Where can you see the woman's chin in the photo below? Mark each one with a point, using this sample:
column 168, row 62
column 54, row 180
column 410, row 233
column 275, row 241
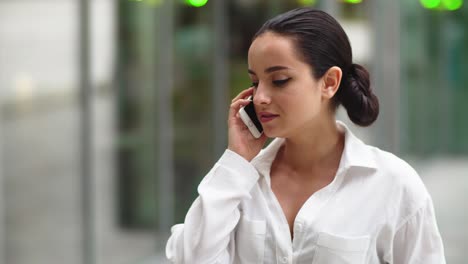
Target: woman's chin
column 270, row 134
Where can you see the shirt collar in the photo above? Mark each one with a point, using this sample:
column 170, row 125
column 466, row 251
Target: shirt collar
column 355, row 154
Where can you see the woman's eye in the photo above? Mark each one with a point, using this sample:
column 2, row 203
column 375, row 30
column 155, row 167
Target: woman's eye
column 281, row 82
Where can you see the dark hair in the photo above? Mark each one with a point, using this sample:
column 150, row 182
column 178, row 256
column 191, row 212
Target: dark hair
column 322, row 43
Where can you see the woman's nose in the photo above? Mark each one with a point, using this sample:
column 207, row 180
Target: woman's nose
column 261, row 96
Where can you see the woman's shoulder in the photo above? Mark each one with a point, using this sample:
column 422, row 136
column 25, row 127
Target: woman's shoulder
column 391, row 163
column 400, row 178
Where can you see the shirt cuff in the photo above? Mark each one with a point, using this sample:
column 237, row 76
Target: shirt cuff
column 233, row 170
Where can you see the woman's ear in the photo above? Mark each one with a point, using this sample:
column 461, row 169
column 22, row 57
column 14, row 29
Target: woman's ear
column 331, row 80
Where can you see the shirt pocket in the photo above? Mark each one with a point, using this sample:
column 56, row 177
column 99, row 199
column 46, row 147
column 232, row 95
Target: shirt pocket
column 333, row 249
column 250, row 240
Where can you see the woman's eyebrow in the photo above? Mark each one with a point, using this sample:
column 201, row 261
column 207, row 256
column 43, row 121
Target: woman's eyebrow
column 270, row 69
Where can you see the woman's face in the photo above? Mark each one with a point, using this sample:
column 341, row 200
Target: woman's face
column 287, row 97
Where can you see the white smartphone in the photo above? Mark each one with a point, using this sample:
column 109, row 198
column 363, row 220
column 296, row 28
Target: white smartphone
column 249, row 117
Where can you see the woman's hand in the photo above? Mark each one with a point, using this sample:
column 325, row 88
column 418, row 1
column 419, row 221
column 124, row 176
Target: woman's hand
column 240, row 139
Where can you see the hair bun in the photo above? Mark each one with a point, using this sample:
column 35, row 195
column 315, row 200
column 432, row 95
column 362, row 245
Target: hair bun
column 359, row 100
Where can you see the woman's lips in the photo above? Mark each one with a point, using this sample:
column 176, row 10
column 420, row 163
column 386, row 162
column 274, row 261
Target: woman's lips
column 266, row 117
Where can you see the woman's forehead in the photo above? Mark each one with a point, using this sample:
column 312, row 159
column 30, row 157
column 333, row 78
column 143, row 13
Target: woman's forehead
column 272, row 49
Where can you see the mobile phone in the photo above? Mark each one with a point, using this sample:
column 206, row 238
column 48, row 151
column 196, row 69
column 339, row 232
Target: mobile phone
column 249, row 117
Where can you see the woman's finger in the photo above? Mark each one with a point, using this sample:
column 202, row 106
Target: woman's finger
column 243, row 94
column 236, row 106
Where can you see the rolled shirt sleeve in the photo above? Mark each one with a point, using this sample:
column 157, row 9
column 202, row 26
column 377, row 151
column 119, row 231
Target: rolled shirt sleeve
column 207, row 233
column 417, row 239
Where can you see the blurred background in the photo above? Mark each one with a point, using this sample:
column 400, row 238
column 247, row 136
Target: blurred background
column 111, row 112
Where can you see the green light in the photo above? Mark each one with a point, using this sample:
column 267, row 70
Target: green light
column 307, row 2
column 197, row 3
column 452, row 4
column 430, row 4
column 353, row 1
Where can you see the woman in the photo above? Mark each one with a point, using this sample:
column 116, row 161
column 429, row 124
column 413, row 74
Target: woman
column 316, row 194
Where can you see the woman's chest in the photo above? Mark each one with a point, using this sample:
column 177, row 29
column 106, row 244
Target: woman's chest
column 326, row 230
column 292, row 191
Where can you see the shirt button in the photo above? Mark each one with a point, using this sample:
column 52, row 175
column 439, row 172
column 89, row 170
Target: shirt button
column 284, row 260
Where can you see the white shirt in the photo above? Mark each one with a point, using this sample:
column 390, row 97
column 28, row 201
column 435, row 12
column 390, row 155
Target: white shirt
column 376, row 210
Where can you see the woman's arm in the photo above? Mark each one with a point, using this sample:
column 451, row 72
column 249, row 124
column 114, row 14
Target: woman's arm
column 417, row 240
column 207, row 235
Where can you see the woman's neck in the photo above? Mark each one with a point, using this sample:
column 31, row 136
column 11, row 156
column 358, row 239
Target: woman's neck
column 316, row 147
